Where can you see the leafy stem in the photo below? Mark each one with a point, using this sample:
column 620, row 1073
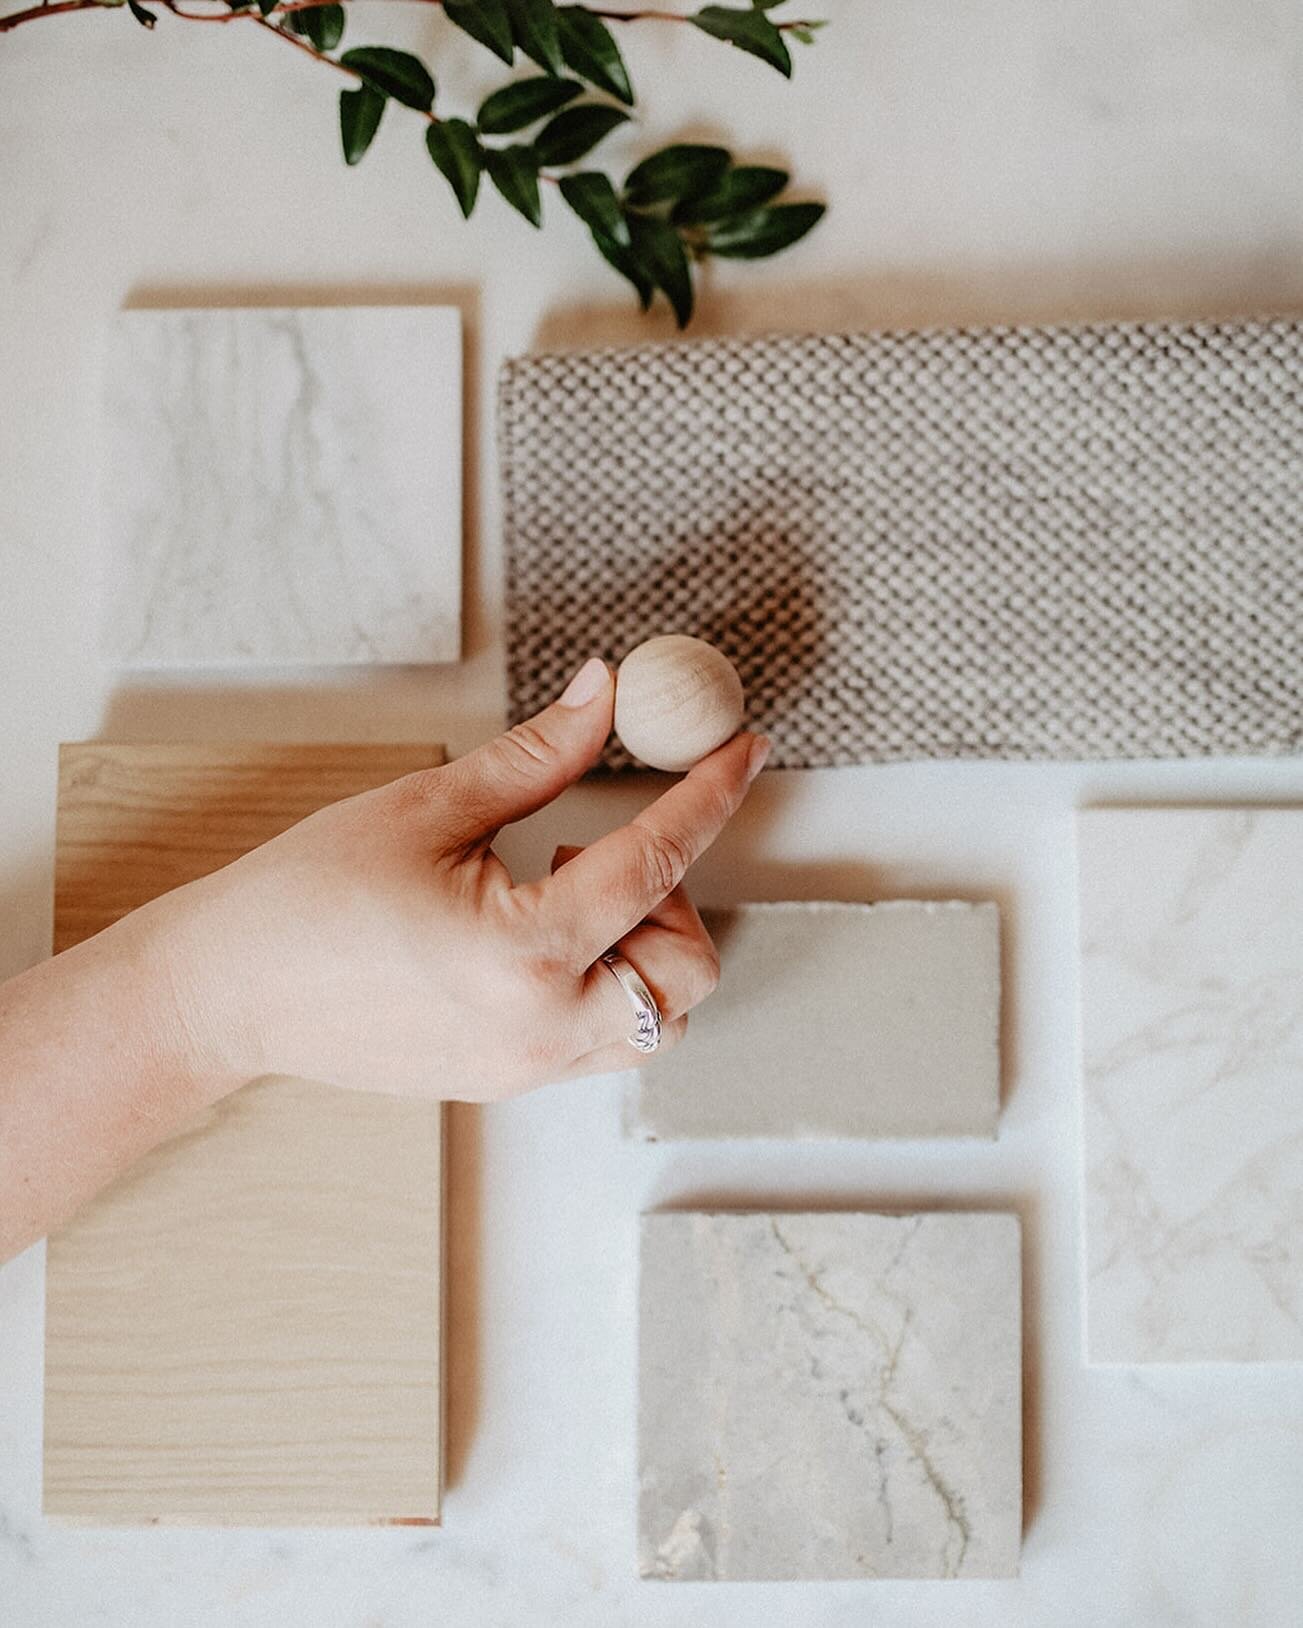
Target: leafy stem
column 55, row 8
column 676, row 208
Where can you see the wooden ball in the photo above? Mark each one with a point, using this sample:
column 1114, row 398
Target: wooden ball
column 676, row 699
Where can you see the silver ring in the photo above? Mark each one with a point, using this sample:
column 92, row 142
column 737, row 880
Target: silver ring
column 647, row 1035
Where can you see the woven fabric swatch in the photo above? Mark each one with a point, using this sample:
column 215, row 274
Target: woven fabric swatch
column 1006, row 543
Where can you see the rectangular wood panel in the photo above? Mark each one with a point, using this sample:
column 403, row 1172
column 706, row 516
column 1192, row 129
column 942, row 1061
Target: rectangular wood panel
column 246, row 1328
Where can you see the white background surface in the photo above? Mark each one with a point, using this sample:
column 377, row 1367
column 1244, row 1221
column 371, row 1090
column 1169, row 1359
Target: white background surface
column 984, row 159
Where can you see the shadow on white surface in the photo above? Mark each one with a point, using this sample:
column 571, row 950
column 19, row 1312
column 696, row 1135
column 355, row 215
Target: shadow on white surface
column 1190, row 288
column 462, row 1277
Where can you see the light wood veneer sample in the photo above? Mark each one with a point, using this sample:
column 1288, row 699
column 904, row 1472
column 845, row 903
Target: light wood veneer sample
column 246, row 1328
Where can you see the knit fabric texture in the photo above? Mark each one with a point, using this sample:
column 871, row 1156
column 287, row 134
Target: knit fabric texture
column 1079, row 542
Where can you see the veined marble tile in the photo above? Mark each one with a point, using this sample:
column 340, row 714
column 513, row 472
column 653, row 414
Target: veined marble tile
column 283, row 487
column 829, row 1396
column 838, row 1020
column 1192, row 1036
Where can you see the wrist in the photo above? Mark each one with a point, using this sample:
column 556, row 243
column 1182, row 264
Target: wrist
column 196, row 1023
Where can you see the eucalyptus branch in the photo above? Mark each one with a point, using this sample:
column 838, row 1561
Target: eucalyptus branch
column 645, row 15
column 55, row 8
column 677, row 207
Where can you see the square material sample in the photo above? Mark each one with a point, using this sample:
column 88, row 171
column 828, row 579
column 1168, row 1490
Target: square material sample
column 1192, row 1037
column 283, row 487
column 838, row 1020
column 830, row 1396
column 245, row 1328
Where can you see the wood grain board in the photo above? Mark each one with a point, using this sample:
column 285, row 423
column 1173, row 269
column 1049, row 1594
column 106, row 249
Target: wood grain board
column 245, row 1329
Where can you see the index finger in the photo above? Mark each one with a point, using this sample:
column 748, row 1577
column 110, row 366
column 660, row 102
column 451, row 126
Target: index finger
column 604, row 892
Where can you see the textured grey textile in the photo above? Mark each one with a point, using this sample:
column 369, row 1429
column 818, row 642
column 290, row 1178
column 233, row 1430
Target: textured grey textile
column 1024, row 543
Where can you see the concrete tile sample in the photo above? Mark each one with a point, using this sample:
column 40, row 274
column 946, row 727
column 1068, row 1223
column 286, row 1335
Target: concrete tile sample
column 244, row 1329
column 829, row 1396
column 1192, row 1040
column 838, row 1020
column 283, row 487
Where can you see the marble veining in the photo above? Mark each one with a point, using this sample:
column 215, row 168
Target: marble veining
column 1192, row 1038
column 282, row 487
column 829, row 1395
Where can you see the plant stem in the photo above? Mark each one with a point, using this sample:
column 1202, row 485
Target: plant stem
column 202, row 16
column 56, row 7
column 52, row 10
column 298, row 39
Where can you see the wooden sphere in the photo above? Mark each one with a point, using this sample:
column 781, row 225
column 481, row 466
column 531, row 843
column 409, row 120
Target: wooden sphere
column 676, row 699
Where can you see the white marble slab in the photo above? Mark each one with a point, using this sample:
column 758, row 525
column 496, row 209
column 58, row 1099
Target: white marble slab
column 282, row 487
column 1192, row 1034
column 829, row 1396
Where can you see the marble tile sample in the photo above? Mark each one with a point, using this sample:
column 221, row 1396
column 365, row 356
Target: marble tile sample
column 245, row 1328
column 838, row 1020
column 829, row 1396
column 1192, row 1055
column 283, row 487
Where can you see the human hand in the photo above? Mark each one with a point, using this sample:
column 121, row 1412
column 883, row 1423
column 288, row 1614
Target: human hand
column 382, row 944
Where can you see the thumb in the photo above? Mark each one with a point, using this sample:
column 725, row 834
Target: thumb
column 518, row 773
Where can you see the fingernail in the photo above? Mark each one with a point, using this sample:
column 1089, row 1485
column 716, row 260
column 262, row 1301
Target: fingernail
column 587, row 684
column 760, row 748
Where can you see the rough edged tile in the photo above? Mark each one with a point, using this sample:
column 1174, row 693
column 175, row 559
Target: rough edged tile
column 283, row 487
column 246, row 1328
column 1192, row 1036
column 902, row 1000
column 829, row 1396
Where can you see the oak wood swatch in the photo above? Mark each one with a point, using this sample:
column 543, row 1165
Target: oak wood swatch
column 246, row 1328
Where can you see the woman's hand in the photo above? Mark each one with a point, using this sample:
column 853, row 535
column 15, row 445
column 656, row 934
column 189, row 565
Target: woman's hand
column 381, row 943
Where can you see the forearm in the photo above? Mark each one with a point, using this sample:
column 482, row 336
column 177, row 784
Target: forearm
column 105, row 1051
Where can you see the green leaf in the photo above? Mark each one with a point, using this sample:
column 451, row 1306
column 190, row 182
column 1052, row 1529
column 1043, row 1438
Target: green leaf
column 804, row 32
column 486, row 21
column 359, row 119
column 146, row 19
column 589, row 49
column 455, row 148
column 534, row 29
column 749, row 30
column 681, row 171
column 660, row 251
column 764, row 231
column 741, row 190
column 323, row 25
column 593, row 198
column 622, row 257
column 393, row 73
column 519, row 104
column 514, row 171
column 576, row 131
